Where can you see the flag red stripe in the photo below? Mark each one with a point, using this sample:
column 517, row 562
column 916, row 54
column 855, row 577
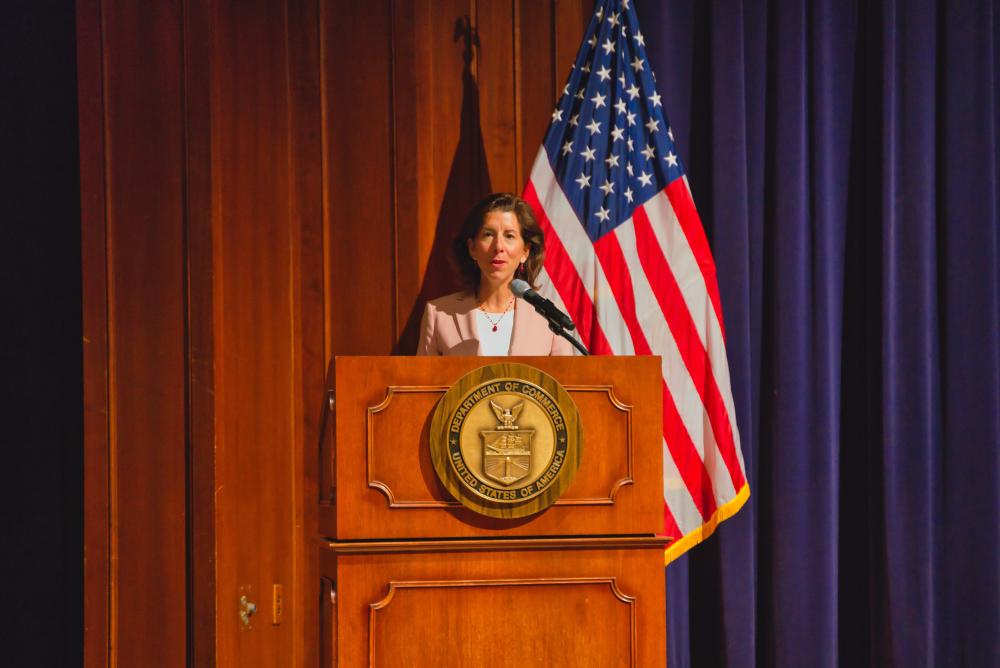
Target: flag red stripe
column 685, row 334
column 648, row 286
column 670, row 528
column 609, row 252
column 682, row 449
column 560, row 268
column 686, row 458
column 690, row 223
column 567, row 282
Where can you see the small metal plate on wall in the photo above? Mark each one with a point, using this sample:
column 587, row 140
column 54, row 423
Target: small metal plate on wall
column 246, row 607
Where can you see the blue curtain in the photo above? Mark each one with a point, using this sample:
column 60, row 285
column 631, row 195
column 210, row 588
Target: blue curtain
column 844, row 158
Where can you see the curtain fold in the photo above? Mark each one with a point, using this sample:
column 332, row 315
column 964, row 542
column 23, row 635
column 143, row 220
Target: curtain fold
column 844, row 159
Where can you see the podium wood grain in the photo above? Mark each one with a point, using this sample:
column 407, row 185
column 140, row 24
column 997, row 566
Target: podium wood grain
column 378, row 481
column 409, row 577
column 507, row 603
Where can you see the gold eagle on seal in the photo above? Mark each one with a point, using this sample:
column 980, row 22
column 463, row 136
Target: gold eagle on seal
column 507, row 449
column 506, row 416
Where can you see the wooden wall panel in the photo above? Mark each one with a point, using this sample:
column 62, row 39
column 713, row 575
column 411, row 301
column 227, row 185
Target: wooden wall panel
column 450, row 102
column 93, row 259
column 145, row 269
column 200, row 335
column 439, row 158
column 256, row 296
column 266, row 185
column 498, row 94
column 538, row 80
column 572, row 19
column 358, row 190
column 305, row 213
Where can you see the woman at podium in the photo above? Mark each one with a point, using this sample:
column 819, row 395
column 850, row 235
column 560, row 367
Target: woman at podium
column 500, row 240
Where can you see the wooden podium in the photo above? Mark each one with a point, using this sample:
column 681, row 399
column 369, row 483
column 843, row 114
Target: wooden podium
column 410, row 577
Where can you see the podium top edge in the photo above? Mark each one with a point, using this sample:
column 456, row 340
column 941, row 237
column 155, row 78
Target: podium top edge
column 496, row 544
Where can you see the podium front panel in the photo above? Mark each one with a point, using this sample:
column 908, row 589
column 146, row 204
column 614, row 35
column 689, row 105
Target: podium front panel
column 378, row 481
column 507, row 602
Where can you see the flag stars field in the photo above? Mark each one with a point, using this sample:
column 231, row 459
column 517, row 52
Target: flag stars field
column 612, row 81
column 622, row 235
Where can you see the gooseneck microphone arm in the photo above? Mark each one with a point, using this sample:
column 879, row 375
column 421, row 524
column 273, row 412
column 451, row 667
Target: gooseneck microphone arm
column 559, row 322
column 555, row 327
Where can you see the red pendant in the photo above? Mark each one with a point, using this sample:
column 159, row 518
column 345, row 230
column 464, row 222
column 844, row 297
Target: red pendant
column 494, row 328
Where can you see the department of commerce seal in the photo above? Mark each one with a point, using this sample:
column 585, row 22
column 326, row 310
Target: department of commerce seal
column 506, row 440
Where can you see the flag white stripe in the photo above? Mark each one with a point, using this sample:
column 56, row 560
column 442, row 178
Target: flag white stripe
column 674, row 245
column 678, row 379
column 700, row 402
column 548, row 290
column 681, row 260
column 677, row 496
column 580, row 250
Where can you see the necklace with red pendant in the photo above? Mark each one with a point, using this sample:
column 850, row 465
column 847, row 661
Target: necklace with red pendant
column 496, row 323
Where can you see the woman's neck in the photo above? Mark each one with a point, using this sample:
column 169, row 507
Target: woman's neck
column 494, row 298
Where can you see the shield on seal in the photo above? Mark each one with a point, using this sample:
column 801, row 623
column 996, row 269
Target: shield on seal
column 506, row 454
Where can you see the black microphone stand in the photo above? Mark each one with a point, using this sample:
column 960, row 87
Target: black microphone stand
column 561, row 331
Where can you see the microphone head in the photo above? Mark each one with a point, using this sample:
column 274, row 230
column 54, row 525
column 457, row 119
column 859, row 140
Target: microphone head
column 519, row 287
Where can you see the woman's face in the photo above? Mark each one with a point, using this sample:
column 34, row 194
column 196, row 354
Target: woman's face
column 498, row 248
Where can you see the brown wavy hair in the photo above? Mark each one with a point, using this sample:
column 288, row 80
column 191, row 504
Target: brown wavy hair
column 532, row 234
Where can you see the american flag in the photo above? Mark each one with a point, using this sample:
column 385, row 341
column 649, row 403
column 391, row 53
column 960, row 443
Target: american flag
column 627, row 258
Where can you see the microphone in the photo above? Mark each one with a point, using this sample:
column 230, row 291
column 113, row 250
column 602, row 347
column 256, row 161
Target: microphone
column 541, row 304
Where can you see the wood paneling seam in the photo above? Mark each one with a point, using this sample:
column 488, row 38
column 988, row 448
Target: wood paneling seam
column 324, row 183
column 112, row 443
column 295, row 401
column 393, row 176
column 517, row 101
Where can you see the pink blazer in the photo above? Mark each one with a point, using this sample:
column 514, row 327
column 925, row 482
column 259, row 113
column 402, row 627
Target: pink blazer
column 449, row 328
